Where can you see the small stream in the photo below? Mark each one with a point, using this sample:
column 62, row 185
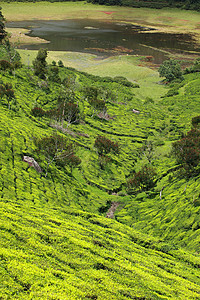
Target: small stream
column 102, row 38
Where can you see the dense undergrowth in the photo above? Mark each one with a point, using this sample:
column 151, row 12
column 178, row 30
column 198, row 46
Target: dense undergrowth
column 56, row 241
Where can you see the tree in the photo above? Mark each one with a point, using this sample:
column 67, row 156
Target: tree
column 71, row 113
column 7, row 91
column 60, row 64
column 59, row 149
column 92, row 95
column 5, row 65
column 2, row 27
column 40, row 64
column 67, row 110
column 187, row 150
column 142, row 180
column 148, row 150
column 54, row 74
column 170, row 69
column 12, row 55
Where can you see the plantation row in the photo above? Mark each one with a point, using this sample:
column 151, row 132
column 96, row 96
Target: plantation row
column 65, row 253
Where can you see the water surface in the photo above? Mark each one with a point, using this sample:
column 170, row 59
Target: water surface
column 83, row 35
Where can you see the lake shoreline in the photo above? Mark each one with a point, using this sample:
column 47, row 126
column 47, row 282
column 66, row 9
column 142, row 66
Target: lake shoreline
column 169, row 20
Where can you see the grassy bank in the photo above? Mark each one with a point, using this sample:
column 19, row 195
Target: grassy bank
column 129, row 66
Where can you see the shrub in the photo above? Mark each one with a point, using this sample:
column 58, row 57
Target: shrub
column 149, row 58
column 170, row 69
column 124, row 81
column 103, row 161
column 43, row 85
column 172, row 92
column 54, row 74
column 72, row 160
column 5, row 65
column 6, row 90
column 17, row 65
column 60, row 64
column 195, row 121
column 37, row 112
column 91, row 93
column 194, row 68
column 40, row 64
column 70, row 112
column 148, row 100
column 187, row 150
column 142, row 180
column 59, row 149
column 105, row 146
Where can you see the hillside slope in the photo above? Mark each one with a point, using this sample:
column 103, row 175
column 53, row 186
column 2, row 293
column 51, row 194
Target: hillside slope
column 54, row 253
column 56, row 241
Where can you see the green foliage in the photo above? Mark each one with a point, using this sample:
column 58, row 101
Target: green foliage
column 105, row 146
column 57, row 148
column 54, row 74
column 40, row 64
column 7, row 91
column 54, row 221
column 2, row 27
column 142, row 180
column 70, row 254
column 196, row 121
column 194, row 68
column 5, row 65
column 94, row 97
column 187, row 150
column 170, row 69
column 37, row 112
column 158, row 4
column 60, row 64
column 172, row 92
column 125, row 82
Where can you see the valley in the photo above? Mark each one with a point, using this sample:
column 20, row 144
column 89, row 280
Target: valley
column 106, row 133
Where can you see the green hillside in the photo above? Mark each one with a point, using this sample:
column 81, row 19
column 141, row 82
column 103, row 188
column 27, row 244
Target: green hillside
column 56, row 241
column 64, row 253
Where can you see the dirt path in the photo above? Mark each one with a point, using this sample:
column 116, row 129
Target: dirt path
column 111, row 212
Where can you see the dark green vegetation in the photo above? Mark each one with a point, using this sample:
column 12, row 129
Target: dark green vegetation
column 2, row 27
column 170, row 69
column 185, row 4
column 92, row 136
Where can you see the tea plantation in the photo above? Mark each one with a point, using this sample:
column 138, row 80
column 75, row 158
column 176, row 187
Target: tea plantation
column 56, row 242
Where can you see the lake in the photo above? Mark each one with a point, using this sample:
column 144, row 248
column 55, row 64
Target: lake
column 104, row 38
